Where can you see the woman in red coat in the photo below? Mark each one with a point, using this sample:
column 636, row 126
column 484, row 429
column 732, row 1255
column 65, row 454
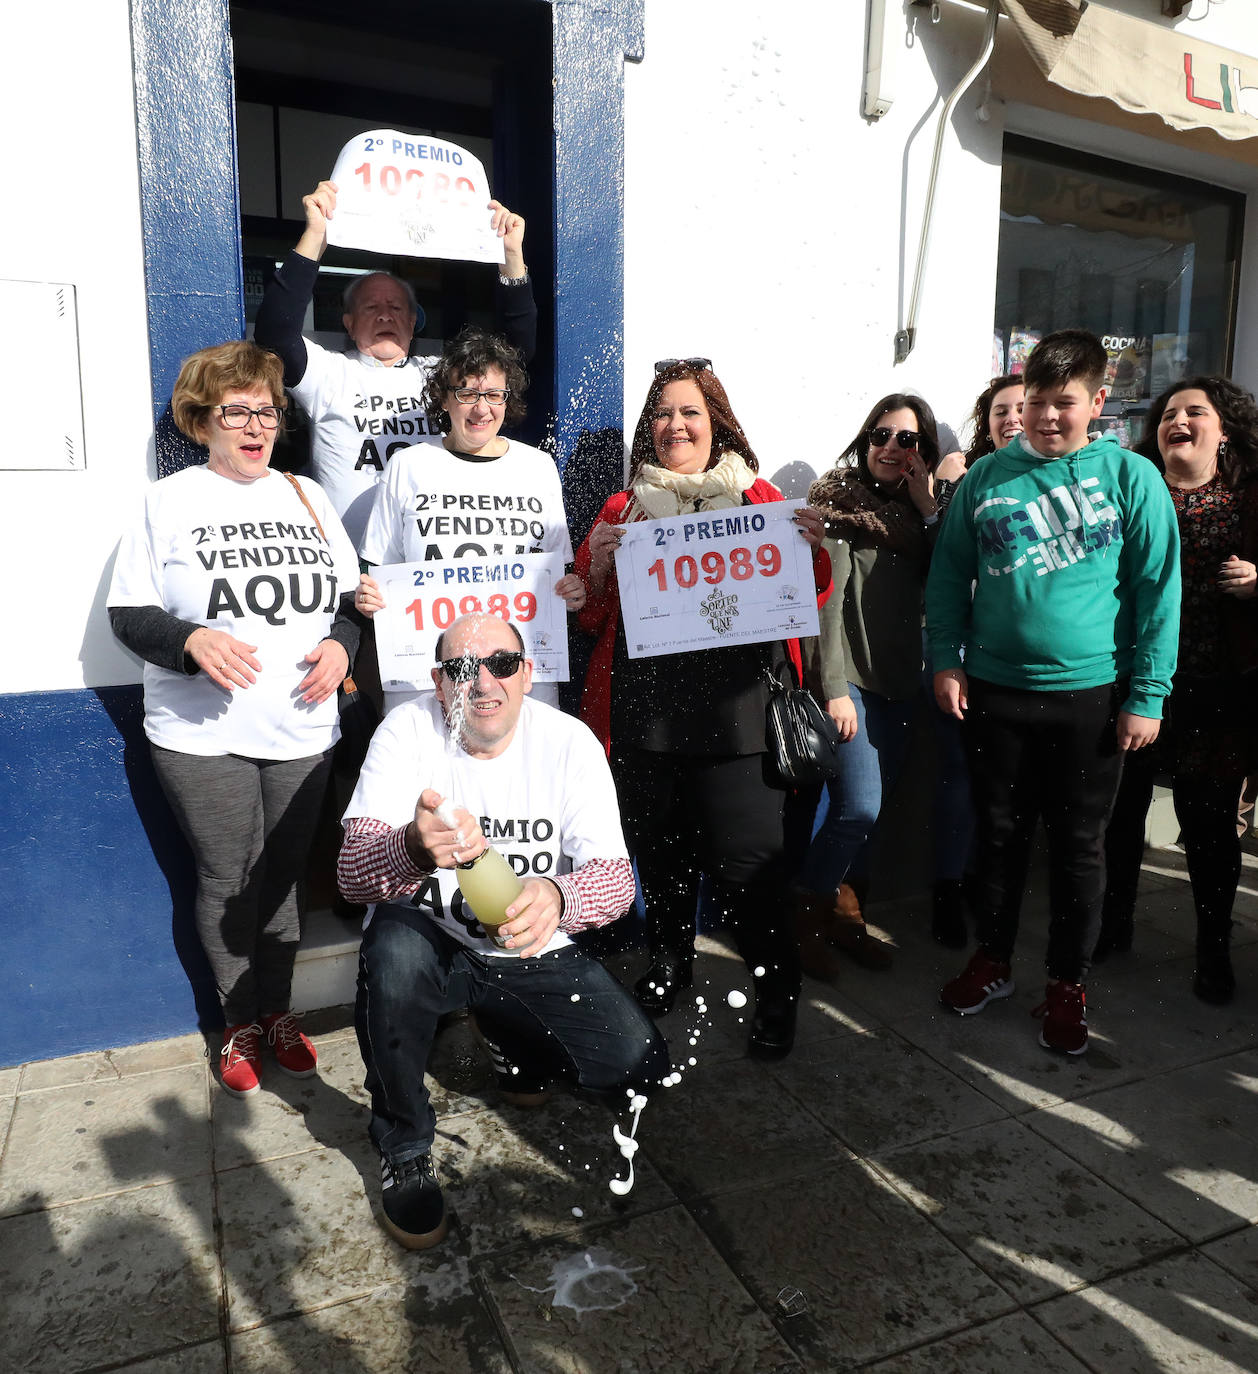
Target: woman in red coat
column 685, row 731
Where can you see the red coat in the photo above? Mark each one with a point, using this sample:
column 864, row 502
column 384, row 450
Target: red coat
column 601, row 611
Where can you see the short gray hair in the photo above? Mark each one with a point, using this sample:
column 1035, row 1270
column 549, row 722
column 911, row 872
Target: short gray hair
column 351, row 290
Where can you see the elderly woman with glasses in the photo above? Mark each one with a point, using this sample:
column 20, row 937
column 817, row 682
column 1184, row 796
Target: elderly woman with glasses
column 479, row 494
column 236, row 588
column 686, row 731
column 880, row 514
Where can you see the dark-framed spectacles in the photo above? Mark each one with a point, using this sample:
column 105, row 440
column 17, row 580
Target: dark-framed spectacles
column 502, row 663
column 468, row 395
column 238, row 417
column 906, row 438
column 698, row 363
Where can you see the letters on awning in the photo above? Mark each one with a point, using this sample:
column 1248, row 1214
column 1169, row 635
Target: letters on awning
column 1140, row 66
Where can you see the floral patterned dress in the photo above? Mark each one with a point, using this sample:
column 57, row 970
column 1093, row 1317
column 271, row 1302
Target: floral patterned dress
column 1212, row 715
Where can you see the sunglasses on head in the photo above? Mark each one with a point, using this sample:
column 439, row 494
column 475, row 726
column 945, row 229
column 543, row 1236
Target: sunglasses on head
column 906, row 438
column 700, row 363
column 502, row 663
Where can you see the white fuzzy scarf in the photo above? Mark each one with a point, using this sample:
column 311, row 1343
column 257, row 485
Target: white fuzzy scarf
column 659, row 493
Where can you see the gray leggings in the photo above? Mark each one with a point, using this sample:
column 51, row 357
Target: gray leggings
column 250, row 823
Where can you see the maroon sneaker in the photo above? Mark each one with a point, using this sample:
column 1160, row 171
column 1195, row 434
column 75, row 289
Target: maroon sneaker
column 983, row 980
column 1064, row 1010
column 241, row 1068
column 293, row 1051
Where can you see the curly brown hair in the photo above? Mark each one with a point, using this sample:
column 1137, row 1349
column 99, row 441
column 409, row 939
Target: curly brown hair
column 727, row 433
column 981, row 440
column 471, row 353
column 1238, row 413
column 210, row 373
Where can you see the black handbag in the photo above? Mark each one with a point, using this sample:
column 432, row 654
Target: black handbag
column 359, row 719
column 801, row 739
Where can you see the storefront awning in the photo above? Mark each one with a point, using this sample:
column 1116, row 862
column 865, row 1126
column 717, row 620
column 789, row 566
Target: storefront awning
column 1140, row 66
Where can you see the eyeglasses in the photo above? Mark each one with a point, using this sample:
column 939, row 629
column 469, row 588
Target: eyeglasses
column 237, row 417
column 700, row 363
column 906, row 438
column 468, row 396
column 502, row 663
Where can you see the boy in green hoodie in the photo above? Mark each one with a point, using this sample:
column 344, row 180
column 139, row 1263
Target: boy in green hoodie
column 1055, row 582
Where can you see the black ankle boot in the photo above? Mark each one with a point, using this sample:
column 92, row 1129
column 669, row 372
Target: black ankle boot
column 947, row 920
column 670, row 974
column 1214, row 981
column 1117, row 932
column 773, row 1026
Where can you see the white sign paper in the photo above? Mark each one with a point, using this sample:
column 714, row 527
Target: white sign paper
column 412, row 195
column 740, row 576
column 422, row 599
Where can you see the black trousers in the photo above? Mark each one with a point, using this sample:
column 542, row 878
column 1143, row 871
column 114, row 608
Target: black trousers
column 686, row 815
column 1206, row 810
column 1053, row 754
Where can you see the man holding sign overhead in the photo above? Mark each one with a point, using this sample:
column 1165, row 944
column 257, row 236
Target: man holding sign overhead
column 366, row 404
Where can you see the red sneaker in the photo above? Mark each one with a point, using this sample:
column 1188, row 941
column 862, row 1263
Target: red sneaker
column 293, row 1051
column 241, row 1068
column 1064, row 1010
column 983, row 980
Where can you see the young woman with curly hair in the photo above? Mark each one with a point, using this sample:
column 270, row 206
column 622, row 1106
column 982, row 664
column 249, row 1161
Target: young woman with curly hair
column 1202, row 434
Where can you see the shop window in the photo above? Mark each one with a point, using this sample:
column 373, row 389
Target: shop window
column 1149, row 262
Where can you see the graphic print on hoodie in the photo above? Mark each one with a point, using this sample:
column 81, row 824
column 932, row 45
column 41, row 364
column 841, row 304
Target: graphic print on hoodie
column 1074, row 564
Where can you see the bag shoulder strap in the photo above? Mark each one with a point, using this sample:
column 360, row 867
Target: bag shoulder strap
column 349, row 685
column 301, row 496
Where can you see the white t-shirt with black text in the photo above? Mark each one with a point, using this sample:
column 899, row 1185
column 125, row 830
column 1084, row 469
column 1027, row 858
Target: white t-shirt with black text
column 435, row 505
column 362, row 412
column 547, row 803
column 243, row 557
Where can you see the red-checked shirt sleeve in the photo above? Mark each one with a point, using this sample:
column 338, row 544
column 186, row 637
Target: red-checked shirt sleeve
column 595, row 894
column 375, row 867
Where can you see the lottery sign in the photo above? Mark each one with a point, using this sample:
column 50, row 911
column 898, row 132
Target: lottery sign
column 422, row 599
column 412, row 195
column 740, row 576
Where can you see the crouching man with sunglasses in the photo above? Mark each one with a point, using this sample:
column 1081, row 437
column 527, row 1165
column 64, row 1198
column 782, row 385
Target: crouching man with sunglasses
column 538, row 782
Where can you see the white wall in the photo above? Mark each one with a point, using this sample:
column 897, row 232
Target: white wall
column 770, row 227
column 74, row 217
column 764, row 218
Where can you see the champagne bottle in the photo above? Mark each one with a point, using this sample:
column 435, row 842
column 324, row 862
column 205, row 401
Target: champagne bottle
column 488, row 882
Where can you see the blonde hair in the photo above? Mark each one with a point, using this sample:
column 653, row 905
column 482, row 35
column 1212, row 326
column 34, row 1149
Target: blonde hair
column 210, row 373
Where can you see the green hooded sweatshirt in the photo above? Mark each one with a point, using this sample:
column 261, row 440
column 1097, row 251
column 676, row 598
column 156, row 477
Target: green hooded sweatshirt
column 1074, row 566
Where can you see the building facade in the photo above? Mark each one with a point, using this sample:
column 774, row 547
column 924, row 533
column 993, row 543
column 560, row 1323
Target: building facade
column 748, row 184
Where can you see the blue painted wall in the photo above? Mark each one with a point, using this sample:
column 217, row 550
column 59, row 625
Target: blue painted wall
column 98, row 880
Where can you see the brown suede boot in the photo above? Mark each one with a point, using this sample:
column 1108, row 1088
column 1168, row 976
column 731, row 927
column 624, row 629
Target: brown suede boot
column 813, row 918
column 849, row 933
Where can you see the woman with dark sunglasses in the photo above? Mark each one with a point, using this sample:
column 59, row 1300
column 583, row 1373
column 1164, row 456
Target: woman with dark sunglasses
column 879, row 507
column 686, row 732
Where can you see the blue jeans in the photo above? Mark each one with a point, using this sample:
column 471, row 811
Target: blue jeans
column 870, row 764
column 558, row 1016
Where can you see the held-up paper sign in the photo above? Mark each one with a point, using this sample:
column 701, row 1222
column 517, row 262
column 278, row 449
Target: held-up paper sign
column 740, row 576
column 422, row 599
column 412, row 195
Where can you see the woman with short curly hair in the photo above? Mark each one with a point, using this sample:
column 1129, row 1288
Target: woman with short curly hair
column 1202, row 433
column 477, row 494
column 236, row 588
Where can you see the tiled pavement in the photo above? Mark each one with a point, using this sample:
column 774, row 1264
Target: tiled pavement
column 944, row 1194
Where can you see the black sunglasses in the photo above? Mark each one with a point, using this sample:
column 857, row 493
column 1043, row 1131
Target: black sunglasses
column 665, row 363
column 906, row 438
column 501, row 663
